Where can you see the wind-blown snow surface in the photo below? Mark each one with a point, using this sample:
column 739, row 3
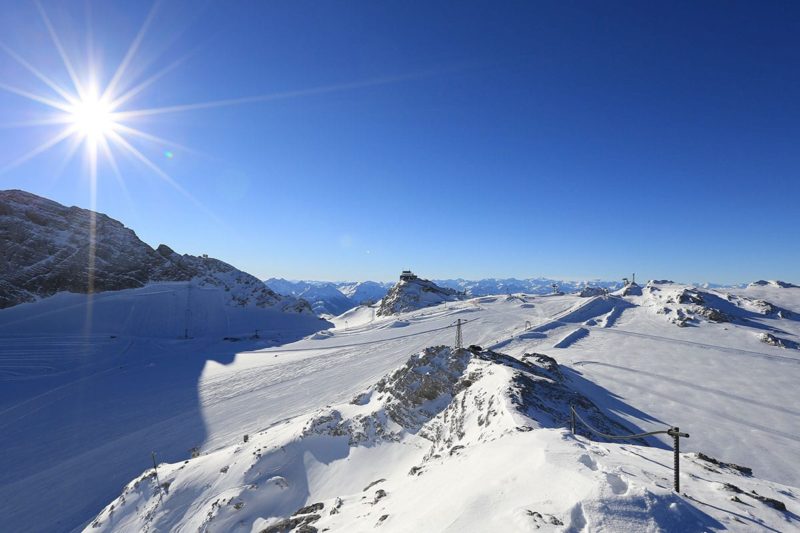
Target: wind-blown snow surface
column 733, row 392
column 90, row 385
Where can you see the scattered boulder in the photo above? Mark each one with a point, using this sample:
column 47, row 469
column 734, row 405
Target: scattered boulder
column 313, row 508
column 772, row 340
column 714, row 315
column 744, row 470
column 379, row 495
column 771, row 502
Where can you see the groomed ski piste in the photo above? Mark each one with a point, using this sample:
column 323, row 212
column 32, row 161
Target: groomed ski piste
column 346, row 430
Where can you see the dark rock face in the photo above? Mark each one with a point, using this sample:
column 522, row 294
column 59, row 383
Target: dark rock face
column 47, row 248
column 688, row 296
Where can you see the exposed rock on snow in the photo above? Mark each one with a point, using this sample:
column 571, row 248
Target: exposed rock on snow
column 46, row 248
column 690, row 296
column 774, row 283
column 684, row 305
column 772, row 340
column 744, row 470
column 589, row 291
column 412, row 293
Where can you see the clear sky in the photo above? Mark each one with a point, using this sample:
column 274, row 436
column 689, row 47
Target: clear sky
column 460, row 139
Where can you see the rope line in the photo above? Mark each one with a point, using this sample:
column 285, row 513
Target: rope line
column 634, row 436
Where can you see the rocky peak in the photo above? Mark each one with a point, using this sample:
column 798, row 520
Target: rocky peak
column 46, row 248
column 412, row 293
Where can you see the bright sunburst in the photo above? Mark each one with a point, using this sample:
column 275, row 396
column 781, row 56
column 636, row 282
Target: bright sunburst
column 92, row 117
column 99, row 116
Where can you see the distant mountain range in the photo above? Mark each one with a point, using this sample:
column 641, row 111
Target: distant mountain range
column 485, row 287
column 336, row 297
column 331, row 298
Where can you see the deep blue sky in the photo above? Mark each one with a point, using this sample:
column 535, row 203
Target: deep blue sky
column 461, row 139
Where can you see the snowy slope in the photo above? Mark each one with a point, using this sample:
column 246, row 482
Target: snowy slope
column 734, row 394
column 90, row 385
column 435, row 446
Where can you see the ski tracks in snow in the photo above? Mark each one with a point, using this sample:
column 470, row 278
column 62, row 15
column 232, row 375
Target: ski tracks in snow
column 671, row 340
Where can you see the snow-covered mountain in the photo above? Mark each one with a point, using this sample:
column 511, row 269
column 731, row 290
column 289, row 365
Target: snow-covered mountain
column 364, row 292
column 412, row 293
column 450, row 441
column 324, row 297
column 47, row 248
column 334, row 298
column 774, row 283
column 331, row 298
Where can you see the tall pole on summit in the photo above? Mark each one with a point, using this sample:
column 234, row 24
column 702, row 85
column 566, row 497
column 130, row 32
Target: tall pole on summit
column 459, row 340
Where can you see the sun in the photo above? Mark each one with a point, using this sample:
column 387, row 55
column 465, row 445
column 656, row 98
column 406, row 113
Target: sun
column 92, row 117
column 100, row 114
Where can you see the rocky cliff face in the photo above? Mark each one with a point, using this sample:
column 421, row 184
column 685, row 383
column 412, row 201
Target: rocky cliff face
column 46, row 248
column 413, row 294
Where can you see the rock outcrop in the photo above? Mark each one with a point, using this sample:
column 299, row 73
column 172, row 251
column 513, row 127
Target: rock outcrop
column 774, row 283
column 412, row 293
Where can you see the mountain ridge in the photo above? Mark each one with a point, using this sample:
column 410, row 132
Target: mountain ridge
column 47, row 248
